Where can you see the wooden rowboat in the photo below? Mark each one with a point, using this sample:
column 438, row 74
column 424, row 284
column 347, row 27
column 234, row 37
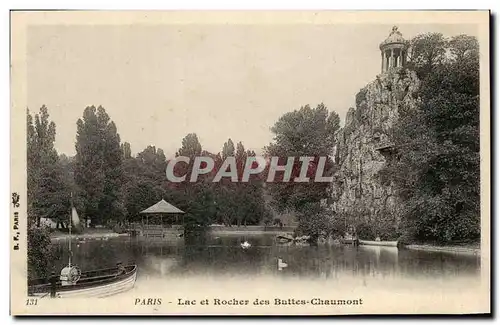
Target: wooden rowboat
column 98, row 284
column 379, row 243
column 350, row 241
column 284, row 238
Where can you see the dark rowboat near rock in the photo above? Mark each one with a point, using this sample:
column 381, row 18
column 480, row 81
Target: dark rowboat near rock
column 379, row 243
column 98, row 284
column 284, row 238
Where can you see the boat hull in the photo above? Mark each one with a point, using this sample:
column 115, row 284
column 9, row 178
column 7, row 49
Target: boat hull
column 99, row 289
column 354, row 242
column 379, row 243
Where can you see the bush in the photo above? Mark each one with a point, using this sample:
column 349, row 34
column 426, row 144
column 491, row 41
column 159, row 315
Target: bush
column 365, row 231
column 314, row 222
column 119, row 229
column 39, row 252
column 406, row 239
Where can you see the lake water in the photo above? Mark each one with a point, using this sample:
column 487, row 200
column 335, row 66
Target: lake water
column 217, row 266
column 220, row 257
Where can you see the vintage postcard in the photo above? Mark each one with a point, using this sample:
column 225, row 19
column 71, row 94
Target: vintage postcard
column 250, row 163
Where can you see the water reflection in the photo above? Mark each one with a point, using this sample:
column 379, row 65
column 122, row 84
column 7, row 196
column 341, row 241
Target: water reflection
column 221, row 256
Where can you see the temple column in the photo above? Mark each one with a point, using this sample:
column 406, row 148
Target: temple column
column 382, row 67
column 392, row 59
column 385, row 61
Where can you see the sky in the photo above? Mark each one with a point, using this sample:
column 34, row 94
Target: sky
column 160, row 82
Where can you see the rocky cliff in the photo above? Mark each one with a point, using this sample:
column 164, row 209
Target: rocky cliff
column 360, row 195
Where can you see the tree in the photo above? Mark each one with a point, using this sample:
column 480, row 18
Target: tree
column 140, row 195
column 191, row 146
column 305, row 132
column 206, row 201
column 436, row 169
column 144, row 180
column 98, row 169
column 313, row 221
column 251, row 207
column 196, row 199
column 126, row 151
column 426, row 51
column 48, row 190
column 71, row 192
column 228, row 149
column 226, row 191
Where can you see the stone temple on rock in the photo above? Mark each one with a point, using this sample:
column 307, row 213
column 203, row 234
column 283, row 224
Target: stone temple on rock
column 393, row 50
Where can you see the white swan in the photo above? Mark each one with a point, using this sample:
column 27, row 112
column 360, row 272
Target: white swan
column 245, row 245
column 281, row 264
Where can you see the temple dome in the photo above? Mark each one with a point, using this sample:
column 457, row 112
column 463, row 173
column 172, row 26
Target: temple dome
column 393, row 51
column 395, row 37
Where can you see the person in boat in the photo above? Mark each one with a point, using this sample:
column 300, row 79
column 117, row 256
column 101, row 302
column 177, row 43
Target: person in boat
column 121, row 268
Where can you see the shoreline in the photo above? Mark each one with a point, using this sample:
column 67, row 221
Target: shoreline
column 248, row 232
column 445, row 249
column 104, row 235
column 95, row 235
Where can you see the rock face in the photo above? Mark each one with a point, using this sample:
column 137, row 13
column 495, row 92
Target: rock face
column 360, row 195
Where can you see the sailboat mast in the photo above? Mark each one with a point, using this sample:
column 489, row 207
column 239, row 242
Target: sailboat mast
column 69, row 228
